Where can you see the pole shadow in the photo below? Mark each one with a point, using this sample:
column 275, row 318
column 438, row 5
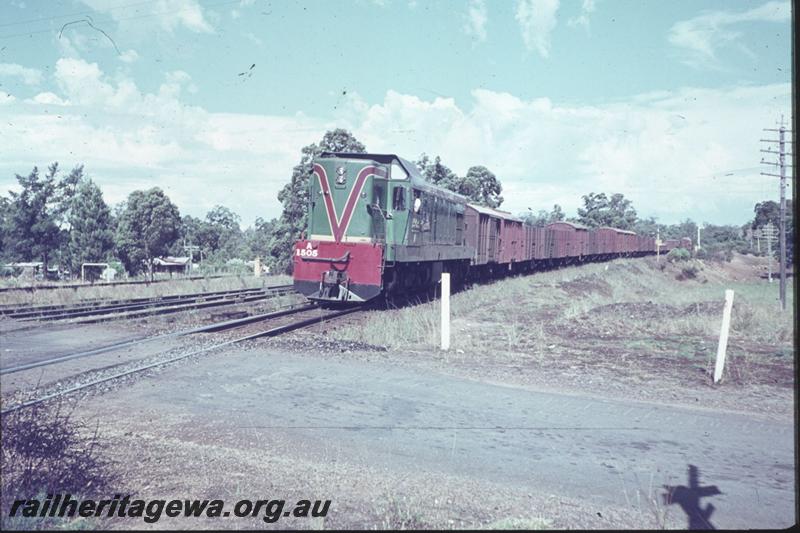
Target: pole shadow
column 689, row 500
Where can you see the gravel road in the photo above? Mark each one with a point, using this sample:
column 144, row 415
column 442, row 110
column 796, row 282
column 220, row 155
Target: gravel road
column 605, row 453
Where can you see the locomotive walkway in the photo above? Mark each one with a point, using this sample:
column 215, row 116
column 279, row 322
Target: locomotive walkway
column 405, row 420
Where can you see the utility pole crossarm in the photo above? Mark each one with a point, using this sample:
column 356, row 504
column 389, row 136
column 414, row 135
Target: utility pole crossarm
column 774, row 152
column 769, row 232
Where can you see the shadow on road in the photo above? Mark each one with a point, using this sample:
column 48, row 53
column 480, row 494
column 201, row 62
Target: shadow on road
column 689, row 500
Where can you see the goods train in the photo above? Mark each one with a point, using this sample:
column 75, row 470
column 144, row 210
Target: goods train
column 376, row 227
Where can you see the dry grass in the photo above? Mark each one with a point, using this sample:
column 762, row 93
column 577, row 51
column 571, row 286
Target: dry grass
column 45, row 451
column 633, row 308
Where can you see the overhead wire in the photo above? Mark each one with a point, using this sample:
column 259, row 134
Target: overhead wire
column 122, row 19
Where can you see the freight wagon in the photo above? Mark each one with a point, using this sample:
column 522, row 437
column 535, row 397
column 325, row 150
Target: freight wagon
column 376, row 227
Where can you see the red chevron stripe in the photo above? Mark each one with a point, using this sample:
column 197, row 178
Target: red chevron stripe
column 339, row 226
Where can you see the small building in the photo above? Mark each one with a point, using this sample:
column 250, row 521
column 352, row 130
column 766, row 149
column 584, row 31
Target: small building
column 172, row 265
column 27, row 269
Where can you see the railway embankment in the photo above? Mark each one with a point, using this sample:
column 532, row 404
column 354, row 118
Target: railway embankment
column 636, row 327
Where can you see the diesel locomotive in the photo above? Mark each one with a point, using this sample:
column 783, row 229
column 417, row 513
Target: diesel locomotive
column 376, row 227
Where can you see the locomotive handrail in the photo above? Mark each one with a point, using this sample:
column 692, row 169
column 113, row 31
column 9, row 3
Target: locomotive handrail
column 344, row 259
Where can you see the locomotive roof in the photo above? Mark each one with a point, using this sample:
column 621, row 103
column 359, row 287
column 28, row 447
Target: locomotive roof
column 417, row 179
column 384, row 159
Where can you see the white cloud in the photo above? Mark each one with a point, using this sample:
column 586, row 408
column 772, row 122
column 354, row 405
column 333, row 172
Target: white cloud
column 476, row 17
column 700, row 37
column 668, row 151
column 129, row 56
column 537, row 19
column 29, row 76
column 170, row 14
column 587, row 8
column 48, row 98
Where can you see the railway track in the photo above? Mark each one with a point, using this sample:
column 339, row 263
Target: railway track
column 96, row 311
column 278, row 322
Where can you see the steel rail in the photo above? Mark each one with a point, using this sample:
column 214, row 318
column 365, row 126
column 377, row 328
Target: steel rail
column 9, row 309
column 269, row 333
column 45, row 310
column 219, row 326
column 76, row 286
column 126, row 311
column 20, row 312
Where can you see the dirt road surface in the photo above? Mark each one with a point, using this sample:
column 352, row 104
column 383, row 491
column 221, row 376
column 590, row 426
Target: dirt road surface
column 205, row 427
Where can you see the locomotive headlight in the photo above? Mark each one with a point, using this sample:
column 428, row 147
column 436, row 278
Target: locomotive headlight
column 341, row 175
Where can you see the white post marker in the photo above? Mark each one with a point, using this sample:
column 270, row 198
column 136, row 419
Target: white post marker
column 445, row 311
column 723, row 335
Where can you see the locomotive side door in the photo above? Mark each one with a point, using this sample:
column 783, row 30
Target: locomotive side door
column 379, row 209
column 400, row 214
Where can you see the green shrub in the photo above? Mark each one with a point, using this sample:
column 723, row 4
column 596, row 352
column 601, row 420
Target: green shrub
column 689, row 271
column 718, row 252
column 677, row 255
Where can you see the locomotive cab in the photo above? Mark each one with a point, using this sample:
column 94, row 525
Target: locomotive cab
column 352, row 208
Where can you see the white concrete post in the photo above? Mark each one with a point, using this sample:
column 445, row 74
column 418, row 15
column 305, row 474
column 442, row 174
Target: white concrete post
column 723, row 335
column 445, row 311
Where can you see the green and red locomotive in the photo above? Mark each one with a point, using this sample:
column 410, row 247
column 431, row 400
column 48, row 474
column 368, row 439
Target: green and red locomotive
column 376, row 227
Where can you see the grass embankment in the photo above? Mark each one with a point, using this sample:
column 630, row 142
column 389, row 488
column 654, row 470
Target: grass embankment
column 630, row 320
column 98, row 291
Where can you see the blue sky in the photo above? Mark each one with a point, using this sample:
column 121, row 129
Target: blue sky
column 662, row 101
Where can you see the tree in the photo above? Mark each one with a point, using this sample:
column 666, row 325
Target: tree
column 5, row 227
column 600, row 210
column 543, row 217
column 770, row 212
column 557, row 214
column 258, row 237
column 650, row 227
column 436, row 172
column 31, row 220
column 480, row 185
column 685, row 228
column 294, row 196
column 91, row 234
column 66, row 191
column 195, row 232
column 147, row 227
column 224, row 233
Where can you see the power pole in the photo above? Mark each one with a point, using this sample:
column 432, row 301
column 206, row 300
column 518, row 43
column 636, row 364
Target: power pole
column 658, row 245
column 781, row 163
column 769, row 232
